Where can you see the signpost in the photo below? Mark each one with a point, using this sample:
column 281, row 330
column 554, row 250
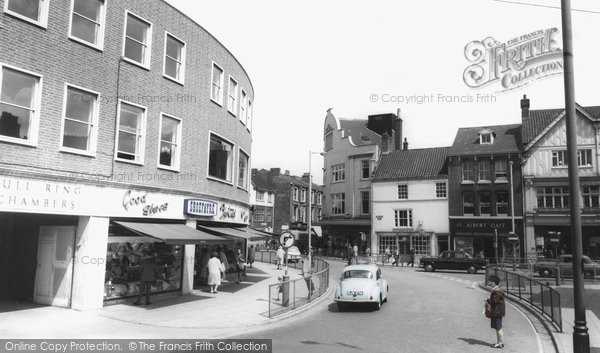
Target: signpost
column 286, row 239
column 555, row 241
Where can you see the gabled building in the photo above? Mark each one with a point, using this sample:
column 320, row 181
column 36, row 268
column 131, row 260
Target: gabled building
column 291, row 204
column 410, row 201
column 484, row 190
column 352, row 147
column 546, row 183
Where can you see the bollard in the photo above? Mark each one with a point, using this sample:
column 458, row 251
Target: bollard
column 285, row 296
column 557, row 275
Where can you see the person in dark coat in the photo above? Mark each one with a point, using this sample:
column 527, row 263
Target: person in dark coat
column 251, row 255
column 148, row 276
column 496, row 302
column 411, row 258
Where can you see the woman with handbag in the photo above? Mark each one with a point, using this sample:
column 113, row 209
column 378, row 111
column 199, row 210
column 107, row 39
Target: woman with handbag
column 495, row 310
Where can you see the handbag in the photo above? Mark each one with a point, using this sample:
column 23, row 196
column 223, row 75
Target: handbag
column 488, row 310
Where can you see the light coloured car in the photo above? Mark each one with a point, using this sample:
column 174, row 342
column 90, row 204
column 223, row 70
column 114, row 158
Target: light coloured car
column 293, row 254
column 565, row 264
column 361, row 284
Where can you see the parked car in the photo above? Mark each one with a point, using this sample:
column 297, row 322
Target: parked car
column 361, row 284
column 293, row 254
column 453, row 260
column 565, row 264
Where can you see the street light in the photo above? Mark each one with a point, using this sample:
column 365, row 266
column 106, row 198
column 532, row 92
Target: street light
column 310, row 200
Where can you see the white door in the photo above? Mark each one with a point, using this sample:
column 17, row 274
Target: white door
column 53, row 276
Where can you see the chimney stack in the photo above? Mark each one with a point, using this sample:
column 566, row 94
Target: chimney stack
column 287, row 172
column 397, row 131
column 306, row 177
column 525, row 108
column 275, row 171
column 405, row 144
column 385, row 143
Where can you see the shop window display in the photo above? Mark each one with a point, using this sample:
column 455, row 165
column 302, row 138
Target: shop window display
column 123, row 262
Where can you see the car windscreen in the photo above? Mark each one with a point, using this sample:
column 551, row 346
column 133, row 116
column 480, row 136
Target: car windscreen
column 358, row 274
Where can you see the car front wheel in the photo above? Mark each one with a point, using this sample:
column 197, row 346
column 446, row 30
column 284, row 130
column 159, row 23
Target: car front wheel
column 472, row 269
column 429, row 268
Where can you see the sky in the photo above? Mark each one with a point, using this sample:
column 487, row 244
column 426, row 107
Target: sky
column 362, row 58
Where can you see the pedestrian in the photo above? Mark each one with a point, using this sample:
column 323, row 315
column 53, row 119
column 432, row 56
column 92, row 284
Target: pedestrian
column 355, row 250
column 396, row 257
column 411, row 258
column 387, row 254
column 349, row 253
column 148, row 276
column 280, row 253
column 223, row 257
column 496, row 304
column 306, row 274
column 214, row 269
column 240, row 264
column 368, row 251
column 279, row 287
column 251, row 255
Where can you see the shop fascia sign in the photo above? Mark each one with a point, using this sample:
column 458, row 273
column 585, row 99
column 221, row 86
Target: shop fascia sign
column 473, row 225
column 202, row 208
column 135, row 199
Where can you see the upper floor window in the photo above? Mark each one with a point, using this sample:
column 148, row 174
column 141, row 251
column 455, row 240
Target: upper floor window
column 260, row 196
column 303, row 196
column 138, row 40
column 87, row 22
column 295, row 193
column 403, row 218
column 269, row 197
column 34, row 11
column 365, row 168
column 319, row 199
column 232, row 101
column 216, row 88
column 174, row 66
column 338, row 204
column 365, row 202
column 249, row 117
column 553, row 197
column 338, row 173
column 500, row 170
column 467, row 171
column 243, row 107
column 560, row 158
column 20, row 96
column 130, row 139
column 403, row 192
column 502, row 203
column 484, row 170
column 468, row 203
column 80, row 120
column 485, row 138
column 243, row 170
column 441, row 190
column 220, row 159
column 329, row 141
column 485, row 203
column 170, row 142
column 591, row 196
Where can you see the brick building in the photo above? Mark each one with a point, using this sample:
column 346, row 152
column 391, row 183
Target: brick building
column 114, row 113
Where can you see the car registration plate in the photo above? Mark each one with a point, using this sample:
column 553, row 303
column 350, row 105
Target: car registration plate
column 354, row 292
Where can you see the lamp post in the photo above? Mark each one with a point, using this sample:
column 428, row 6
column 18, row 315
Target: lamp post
column 555, row 240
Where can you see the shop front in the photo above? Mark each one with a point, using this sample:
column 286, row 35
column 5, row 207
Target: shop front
column 423, row 243
column 559, row 226
column 79, row 245
column 487, row 237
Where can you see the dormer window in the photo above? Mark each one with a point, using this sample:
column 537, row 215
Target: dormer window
column 486, row 137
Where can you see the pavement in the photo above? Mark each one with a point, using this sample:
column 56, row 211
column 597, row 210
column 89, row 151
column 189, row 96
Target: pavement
column 236, row 308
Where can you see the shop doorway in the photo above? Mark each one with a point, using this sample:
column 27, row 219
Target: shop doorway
column 54, row 270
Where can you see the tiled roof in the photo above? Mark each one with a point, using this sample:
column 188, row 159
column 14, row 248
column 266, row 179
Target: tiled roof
column 357, row 129
column 540, row 119
column 507, row 139
column 424, row 163
column 260, row 182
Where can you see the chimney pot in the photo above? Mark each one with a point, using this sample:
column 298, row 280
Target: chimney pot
column 405, row 144
column 525, row 107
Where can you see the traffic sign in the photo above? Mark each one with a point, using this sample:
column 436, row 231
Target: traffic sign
column 286, row 239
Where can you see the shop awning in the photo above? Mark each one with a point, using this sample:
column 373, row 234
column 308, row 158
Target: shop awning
column 317, row 230
column 234, row 232
column 171, row 233
column 131, row 239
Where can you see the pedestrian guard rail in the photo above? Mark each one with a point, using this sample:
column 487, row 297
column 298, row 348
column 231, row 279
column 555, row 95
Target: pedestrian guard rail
column 533, row 292
column 527, row 267
column 285, row 296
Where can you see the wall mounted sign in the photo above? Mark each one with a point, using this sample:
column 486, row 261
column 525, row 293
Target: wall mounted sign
column 198, row 207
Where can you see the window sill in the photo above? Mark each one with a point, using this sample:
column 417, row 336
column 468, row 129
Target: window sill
column 501, row 181
column 232, row 113
column 242, row 188
column 217, row 103
column 133, row 62
column 483, row 182
column 87, row 44
column 17, row 141
column 467, row 182
column 41, row 24
column 179, row 82
column 77, row 152
column 219, row 180
column 171, row 169
column 127, row 161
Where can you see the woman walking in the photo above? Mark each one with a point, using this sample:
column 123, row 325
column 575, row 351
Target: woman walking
column 214, row 269
column 497, row 308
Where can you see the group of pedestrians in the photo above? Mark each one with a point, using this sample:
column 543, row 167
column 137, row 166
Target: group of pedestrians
column 214, row 267
column 397, row 257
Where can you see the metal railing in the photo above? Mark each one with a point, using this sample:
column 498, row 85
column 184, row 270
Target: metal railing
column 288, row 295
column 533, row 292
column 527, row 267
